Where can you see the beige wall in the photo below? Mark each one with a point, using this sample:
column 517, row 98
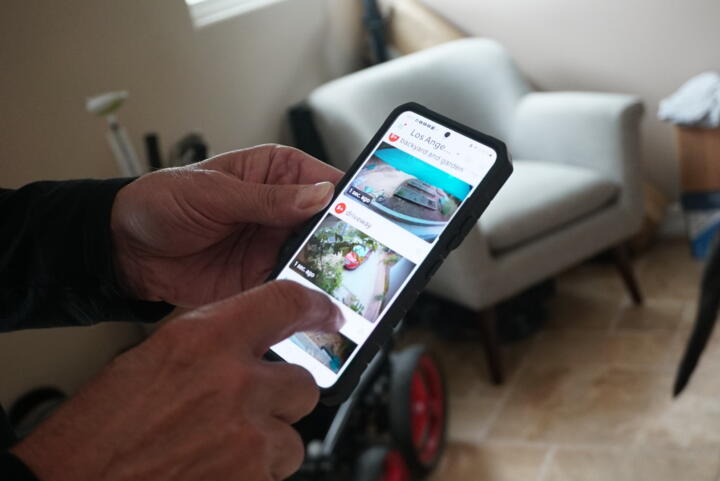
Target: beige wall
column 646, row 47
column 232, row 81
column 61, row 357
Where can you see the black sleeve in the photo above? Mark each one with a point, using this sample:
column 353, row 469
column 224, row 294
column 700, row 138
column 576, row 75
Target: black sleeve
column 12, row 469
column 56, row 264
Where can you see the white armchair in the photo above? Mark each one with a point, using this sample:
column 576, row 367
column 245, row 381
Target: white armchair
column 575, row 190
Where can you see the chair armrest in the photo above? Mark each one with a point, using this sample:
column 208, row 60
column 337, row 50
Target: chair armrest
column 595, row 130
column 464, row 274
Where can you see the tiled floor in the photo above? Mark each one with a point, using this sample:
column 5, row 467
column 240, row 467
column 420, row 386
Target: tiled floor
column 589, row 397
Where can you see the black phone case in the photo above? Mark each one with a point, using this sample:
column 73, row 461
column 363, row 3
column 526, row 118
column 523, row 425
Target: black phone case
column 456, row 230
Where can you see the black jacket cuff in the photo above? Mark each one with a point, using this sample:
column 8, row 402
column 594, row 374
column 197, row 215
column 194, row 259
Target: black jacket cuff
column 13, row 469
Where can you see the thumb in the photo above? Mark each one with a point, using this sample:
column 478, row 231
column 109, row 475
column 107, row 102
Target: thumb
column 279, row 204
column 270, row 313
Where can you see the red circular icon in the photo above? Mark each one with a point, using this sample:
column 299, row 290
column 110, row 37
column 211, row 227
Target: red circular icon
column 340, row 208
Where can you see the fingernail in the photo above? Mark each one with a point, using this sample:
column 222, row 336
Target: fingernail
column 316, row 195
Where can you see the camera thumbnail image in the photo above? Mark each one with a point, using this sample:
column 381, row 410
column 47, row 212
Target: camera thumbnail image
column 352, row 267
column 331, row 349
column 413, row 194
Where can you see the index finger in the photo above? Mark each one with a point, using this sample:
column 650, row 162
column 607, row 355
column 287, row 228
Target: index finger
column 272, row 312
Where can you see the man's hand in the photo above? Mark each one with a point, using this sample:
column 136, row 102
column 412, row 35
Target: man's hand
column 195, row 401
column 197, row 234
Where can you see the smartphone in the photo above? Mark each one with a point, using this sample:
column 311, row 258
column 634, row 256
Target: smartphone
column 416, row 190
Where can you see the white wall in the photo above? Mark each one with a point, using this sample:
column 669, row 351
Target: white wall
column 646, row 47
column 232, row 80
column 61, row 357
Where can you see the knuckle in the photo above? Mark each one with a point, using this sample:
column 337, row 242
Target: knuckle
column 178, row 338
column 269, row 200
column 256, row 437
column 304, row 385
column 307, row 385
column 295, row 450
column 203, row 323
column 308, row 401
column 274, row 148
column 300, row 392
column 287, row 161
column 302, row 375
column 245, row 376
column 252, row 440
column 184, row 340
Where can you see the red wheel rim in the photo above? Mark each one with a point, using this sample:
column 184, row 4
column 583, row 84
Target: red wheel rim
column 427, row 409
column 394, row 467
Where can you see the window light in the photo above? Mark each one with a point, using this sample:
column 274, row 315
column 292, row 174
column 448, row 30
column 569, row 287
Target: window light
column 206, row 12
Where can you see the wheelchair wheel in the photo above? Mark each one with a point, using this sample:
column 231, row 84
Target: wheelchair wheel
column 418, row 408
column 381, row 463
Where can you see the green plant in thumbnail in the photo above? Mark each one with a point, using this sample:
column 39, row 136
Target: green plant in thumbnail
column 391, row 258
column 448, row 205
column 357, row 307
column 325, row 250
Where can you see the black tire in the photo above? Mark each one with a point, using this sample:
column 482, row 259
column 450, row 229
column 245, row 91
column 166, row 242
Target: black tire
column 404, row 365
column 371, row 465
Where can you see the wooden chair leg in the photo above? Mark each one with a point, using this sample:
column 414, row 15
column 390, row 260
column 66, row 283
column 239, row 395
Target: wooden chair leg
column 491, row 344
column 625, row 268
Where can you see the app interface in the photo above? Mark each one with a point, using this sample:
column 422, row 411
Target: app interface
column 377, row 232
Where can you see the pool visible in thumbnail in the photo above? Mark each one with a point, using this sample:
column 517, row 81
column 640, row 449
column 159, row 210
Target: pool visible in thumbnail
column 331, row 349
column 352, row 267
column 413, row 194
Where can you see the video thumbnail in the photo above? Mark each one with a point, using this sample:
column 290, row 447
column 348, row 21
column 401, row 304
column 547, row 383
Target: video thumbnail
column 352, row 267
column 413, row 194
column 331, row 349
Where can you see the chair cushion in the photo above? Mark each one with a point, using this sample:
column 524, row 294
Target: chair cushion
column 540, row 197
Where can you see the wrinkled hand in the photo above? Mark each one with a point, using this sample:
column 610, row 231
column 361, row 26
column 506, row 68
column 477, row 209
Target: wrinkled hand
column 195, row 401
column 197, row 234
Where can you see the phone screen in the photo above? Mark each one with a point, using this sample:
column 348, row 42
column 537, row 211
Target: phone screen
column 378, row 231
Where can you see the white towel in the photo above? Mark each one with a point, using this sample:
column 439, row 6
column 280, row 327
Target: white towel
column 696, row 103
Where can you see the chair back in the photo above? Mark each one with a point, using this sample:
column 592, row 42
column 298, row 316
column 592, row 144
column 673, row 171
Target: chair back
column 473, row 81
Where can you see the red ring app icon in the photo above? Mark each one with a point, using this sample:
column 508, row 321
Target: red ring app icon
column 393, row 137
column 340, row 208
